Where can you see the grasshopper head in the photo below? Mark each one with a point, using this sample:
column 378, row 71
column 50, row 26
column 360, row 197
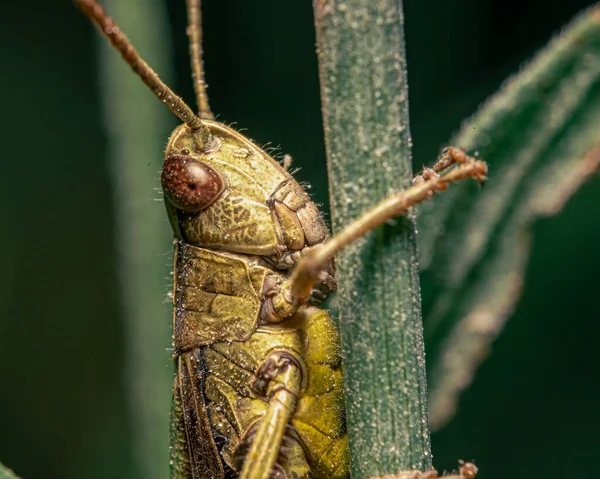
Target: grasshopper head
column 219, row 196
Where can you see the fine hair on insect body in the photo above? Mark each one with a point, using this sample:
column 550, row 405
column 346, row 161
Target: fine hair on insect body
column 258, row 387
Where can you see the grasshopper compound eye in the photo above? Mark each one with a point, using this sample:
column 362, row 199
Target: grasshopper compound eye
column 189, row 184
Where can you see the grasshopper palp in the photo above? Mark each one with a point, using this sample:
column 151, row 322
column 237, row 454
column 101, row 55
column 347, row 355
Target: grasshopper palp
column 258, row 388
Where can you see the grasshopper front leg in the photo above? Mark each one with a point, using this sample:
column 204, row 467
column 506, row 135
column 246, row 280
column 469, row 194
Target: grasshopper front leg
column 296, row 291
column 280, row 380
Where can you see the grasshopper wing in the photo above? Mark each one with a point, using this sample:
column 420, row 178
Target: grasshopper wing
column 194, row 453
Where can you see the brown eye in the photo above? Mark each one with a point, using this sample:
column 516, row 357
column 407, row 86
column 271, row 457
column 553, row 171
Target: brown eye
column 189, row 184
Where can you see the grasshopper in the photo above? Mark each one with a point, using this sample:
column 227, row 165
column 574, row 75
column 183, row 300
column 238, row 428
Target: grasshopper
column 258, row 389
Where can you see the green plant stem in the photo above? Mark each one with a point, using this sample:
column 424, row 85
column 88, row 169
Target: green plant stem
column 137, row 126
column 365, row 109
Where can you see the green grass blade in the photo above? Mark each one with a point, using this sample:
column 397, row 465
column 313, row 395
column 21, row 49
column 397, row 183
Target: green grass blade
column 365, row 108
column 540, row 136
column 137, row 126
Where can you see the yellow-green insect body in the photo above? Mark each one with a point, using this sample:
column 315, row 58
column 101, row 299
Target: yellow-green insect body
column 240, row 245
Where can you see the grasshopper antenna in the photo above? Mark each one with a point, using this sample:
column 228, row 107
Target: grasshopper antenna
column 93, row 10
column 194, row 31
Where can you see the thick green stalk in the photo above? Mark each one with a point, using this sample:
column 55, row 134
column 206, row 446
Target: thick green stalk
column 365, row 109
column 137, row 126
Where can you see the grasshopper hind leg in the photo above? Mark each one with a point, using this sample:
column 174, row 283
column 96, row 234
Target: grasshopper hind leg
column 279, row 380
column 291, row 462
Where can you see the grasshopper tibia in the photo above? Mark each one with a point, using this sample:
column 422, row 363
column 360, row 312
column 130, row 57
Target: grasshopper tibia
column 448, row 157
column 280, row 379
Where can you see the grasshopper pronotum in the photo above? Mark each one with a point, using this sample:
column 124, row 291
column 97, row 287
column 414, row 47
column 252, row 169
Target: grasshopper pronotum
column 258, row 388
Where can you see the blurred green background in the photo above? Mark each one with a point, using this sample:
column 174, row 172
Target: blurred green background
column 533, row 408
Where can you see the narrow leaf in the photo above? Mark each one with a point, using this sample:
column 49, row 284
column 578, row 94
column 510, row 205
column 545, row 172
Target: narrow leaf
column 6, row 473
column 137, row 126
column 540, row 135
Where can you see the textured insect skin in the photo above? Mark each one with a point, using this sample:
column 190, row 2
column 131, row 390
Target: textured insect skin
column 230, row 354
